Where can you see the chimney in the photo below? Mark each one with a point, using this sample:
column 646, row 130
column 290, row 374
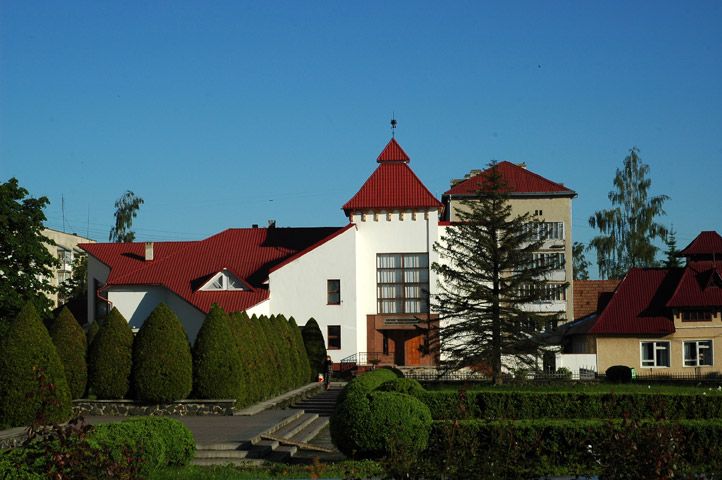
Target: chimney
column 255, row 225
column 271, row 224
column 522, row 165
column 148, row 251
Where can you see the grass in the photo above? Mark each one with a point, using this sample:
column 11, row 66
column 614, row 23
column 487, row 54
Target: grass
column 347, row 469
column 639, row 387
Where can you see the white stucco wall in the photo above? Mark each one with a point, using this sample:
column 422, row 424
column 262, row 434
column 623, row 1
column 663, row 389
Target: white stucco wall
column 298, row 290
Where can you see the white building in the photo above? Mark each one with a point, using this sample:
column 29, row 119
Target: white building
column 367, row 284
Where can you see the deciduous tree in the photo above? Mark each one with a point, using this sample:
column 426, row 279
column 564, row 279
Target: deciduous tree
column 629, row 227
column 126, row 209
column 489, row 278
column 581, row 264
column 26, row 265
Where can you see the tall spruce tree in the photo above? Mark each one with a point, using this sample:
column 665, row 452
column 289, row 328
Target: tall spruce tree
column 671, row 253
column 488, row 279
column 629, row 227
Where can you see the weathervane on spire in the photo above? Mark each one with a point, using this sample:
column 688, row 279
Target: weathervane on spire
column 393, row 125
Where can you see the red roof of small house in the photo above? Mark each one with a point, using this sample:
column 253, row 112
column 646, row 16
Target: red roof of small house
column 393, row 185
column 518, row 179
column 393, row 153
column 184, row 267
column 589, row 295
column 638, row 305
column 700, row 286
column 706, row 243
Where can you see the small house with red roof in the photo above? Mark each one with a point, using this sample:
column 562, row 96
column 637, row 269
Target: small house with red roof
column 662, row 320
column 367, row 283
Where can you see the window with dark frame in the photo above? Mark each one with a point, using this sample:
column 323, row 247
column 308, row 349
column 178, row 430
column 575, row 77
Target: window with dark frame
column 696, row 316
column 333, row 292
column 334, row 337
column 402, row 281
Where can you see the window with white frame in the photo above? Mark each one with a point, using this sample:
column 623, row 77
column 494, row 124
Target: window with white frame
column 546, row 230
column 655, row 354
column 698, row 353
column 65, row 257
column 552, row 260
column 402, row 282
column 224, row 280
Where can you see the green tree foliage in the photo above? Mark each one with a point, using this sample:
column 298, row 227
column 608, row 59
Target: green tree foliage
column 267, row 356
column 278, row 372
column 77, row 285
column 126, row 209
column 70, row 342
column 315, row 346
column 162, row 361
column 629, row 227
column 304, row 365
column 247, row 346
column 670, row 240
column 91, row 332
column 581, row 264
column 276, row 331
column 26, row 265
column 216, row 360
column 110, row 358
column 488, row 276
column 28, row 351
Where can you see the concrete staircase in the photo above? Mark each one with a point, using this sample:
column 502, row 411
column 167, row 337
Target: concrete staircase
column 311, row 416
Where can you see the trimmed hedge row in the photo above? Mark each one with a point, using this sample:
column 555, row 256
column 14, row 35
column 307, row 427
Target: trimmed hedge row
column 533, row 448
column 448, row 405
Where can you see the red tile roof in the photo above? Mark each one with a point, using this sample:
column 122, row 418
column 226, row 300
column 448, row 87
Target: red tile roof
column 588, row 295
column 706, row 243
column 700, row 286
column 637, row 306
column 393, row 185
column 184, row 267
column 393, row 153
column 518, row 179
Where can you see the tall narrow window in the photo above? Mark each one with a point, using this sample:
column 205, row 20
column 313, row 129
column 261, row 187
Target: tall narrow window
column 333, row 292
column 402, row 282
column 334, row 337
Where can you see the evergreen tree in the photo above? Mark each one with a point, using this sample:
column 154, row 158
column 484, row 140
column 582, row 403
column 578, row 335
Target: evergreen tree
column 69, row 340
column 162, row 362
column 91, row 332
column 671, row 253
column 304, row 368
column 276, row 332
column 216, row 361
column 315, row 347
column 581, row 264
column 269, row 355
column 628, row 228
column 110, row 358
column 27, row 352
column 246, row 346
column 26, row 265
column 488, row 279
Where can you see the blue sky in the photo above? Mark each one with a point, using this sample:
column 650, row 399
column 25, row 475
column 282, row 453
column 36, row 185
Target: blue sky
column 225, row 114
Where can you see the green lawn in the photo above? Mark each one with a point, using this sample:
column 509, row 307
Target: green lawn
column 638, row 387
column 348, row 469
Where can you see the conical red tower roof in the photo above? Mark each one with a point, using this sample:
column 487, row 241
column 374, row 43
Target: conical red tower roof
column 393, row 153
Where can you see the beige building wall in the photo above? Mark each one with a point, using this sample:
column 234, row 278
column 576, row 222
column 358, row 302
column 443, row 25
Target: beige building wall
column 65, row 251
column 549, row 209
column 627, row 350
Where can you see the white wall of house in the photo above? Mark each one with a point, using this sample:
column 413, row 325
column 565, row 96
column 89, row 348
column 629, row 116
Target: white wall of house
column 576, row 361
column 299, row 290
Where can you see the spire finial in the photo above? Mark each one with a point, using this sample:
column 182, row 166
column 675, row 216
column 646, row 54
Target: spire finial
column 393, row 124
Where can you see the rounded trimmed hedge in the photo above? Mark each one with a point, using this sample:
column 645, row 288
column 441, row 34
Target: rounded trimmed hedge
column 162, row 361
column 618, row 374
column 369, row 424
column 110, row 358
column 27, row 347
column 216, row 360
column 408, row 386
column 70, row 342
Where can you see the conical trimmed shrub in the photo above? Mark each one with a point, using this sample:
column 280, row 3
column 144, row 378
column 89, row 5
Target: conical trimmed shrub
column 268, row 356
column 69, row 340
column 282, row 337
column 26, row 347
column 245, row 344
column 315, row 346
column 162, row 361
column 110, row 358
column 304, row 368
column 216, row 361
column 91, row 332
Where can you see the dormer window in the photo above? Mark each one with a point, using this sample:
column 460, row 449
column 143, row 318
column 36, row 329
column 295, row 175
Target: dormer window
column 224, row 280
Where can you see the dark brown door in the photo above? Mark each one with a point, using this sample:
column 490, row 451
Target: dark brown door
column 399, row 343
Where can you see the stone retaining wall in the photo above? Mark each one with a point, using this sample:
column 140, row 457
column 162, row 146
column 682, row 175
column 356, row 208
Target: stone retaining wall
column 124, row 408
column 12, row 438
